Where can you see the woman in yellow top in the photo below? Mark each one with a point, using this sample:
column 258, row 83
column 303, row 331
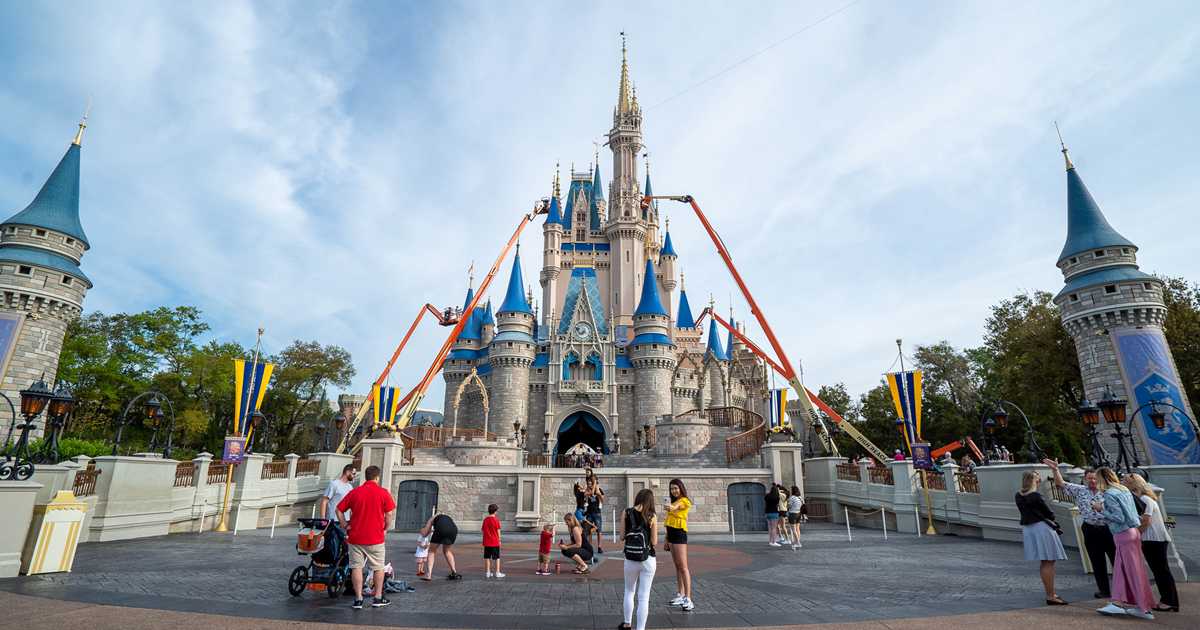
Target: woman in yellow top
column 677, row 515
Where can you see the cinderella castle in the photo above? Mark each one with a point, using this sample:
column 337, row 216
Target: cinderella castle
column 612, row 348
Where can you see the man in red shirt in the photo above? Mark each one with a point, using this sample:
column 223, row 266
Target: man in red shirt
column 372, row 513
column 491, row 541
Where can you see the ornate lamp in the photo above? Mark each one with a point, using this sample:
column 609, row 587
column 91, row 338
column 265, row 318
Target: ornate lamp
column 35, row 399
column 1089, row 414
column 152, row 407
column 1157, row 415
column 1113, row 408
column 989, row 426
column 1000, row 416
column 17, row 464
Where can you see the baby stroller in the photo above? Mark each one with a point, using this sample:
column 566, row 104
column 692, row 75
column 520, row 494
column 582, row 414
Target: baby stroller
column 328, row 566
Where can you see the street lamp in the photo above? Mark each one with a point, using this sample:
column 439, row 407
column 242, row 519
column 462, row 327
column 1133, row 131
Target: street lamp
column 1112, row 407
column 151, row 408
column 997, row 418
column 157, row 422
column 1158, row 412
column 1089, row 415
column 18, row 465
column 57, row 411
column 259, row 426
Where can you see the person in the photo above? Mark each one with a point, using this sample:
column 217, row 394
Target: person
column 1040, row 533
column 785, row 532
column 580, row 501
column 677, row 518
column 968, row 464
column 1154, row 542
column 491, row 541
column 442, row 532
column 1097, row 539
column 639, row 530
column 594, row 509
column 795, row 507
column 547, row 539
column 898, row 456
column 422, row 553
column 1131, row 594
column 336, row 491
column 771, row 507
column 579, row 550
column 372, row 512
column 1005, row 456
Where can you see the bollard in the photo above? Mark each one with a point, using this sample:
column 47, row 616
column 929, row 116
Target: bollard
column 614, row 524
column 732, row 528
column 274, row 513
column 917, row 515
column 846, row 510
column 237, row 518
column 883, row 517
column 314, row 511
column 203, row 509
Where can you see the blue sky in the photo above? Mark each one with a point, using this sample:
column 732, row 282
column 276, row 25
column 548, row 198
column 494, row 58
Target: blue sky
column 323, row 169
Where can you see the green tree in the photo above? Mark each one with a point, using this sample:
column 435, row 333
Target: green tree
column 1182, row 330
column 298, row 398
column 950, row 393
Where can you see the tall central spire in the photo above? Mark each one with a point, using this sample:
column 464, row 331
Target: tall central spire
column 625, row 91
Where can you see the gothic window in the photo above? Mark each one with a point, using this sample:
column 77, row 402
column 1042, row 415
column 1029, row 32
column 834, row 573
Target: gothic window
column 66, row 280
column 25, row 270
column 597, row 366
column 44, row 341
column 1110, row 289
column 569, row 361
column 40, row 233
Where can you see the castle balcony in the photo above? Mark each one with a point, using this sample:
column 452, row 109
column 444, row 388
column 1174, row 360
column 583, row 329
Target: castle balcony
column 582, row 387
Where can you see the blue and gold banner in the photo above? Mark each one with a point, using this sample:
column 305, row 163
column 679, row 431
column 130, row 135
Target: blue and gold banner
column 386, row 402
column 906, row 395
column 1150, row 375
column 250, row 383
column 778, row 414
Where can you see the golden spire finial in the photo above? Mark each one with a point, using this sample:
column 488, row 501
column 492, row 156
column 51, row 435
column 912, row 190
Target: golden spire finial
column 1066, row 156
column 78, row 141
column 681, row 288
column 556, row 185
column 624, row 99
column 633, row 86
column 471, row 276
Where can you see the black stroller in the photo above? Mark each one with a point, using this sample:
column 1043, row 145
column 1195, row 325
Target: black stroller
column 328, row 566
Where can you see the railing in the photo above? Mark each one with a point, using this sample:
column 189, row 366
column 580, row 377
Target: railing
column 85, row 481
column 275, row 470
column 849, row 472
column 578, row 461
column 537, row 460
column 437, row 437
column 881, row 475
column 1060, row 494
column 749, row 441
column 308, row 468
column 968, row 482
column 935, row 480
column 185, row 475
column 218, row 472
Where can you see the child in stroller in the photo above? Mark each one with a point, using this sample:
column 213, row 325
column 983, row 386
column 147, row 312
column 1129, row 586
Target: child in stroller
column 328, row 566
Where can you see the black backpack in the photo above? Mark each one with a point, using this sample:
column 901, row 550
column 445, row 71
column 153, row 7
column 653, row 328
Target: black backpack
column 637, row 536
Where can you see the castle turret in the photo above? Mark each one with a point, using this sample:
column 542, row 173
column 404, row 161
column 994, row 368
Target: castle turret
column 653, row 354
column 626, row 231
column 552, row 238
column 1115, row 314
column 487, row 325
column 512, row 352
column 715, row 358
column 43, row 286
column 666, row 264
column 463, row 355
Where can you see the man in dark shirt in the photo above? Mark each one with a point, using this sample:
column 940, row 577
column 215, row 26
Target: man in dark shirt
column 372, row 511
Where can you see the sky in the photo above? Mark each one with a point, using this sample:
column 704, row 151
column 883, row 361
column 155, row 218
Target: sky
column 878, row 170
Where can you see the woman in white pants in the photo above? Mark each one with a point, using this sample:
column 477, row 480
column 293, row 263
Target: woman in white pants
column 639, row 530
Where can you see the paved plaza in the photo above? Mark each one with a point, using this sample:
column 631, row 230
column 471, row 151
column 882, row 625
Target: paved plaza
column 737, row 584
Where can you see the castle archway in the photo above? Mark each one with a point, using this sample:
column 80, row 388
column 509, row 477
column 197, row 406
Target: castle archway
column 582, row 426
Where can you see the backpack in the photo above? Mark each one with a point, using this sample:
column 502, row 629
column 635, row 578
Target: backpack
column 637, row 536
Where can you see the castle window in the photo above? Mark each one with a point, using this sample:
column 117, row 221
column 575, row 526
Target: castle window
column 1125, row 250
column 41, row 233
column 1112, row 288
column 1073, row 260
column 70, row 241
column 66, row 280
column 1147, row 286
column 25, row 270
column 1099, row 253
column 1074, row 297
column 508, row 344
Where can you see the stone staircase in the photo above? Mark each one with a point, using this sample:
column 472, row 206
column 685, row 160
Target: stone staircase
column 711, row 456
column 430, row 457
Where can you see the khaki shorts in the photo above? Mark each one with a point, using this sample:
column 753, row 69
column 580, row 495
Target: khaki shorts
column 368, row 555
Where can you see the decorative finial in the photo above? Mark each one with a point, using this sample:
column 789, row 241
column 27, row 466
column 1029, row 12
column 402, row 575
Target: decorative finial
column 78, row 141
column 556, row 186
column 681, row 279
column 668, row 224
column 633, row 86
column 471, row 275
column 624, row 99
column 1066, row 156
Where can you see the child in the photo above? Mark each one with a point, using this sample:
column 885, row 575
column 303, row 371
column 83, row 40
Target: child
column 422, row 553
column 544, row 549
column 491, row 541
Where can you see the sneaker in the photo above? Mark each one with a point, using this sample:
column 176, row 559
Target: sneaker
column 488, row 574
column 1112, row 610
column 678, row 601
column 1134, row 612
column 775, row 544
column 499, row 574
column 599, row 549
column 687, row 605
column 380, row 602
column 454, row 576
column 357, row 605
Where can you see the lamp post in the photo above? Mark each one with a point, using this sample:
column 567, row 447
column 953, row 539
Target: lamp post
column 18, row 465
column 11, row 423
column 1089, row 415
column 997, row 419
column 1112, row 407
column 57, row 411
column 166, row 442
column 1158, row 411
column 150, row 410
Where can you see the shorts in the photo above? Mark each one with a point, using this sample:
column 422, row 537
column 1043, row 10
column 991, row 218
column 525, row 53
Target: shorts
column 579, row 514
column 491, row 553
column 772, row 516
column 583, row 553
column 793, row 518
column 444, row 536
column 543, row 558
column 597, row 519
column 676, row 536
column 371, row 556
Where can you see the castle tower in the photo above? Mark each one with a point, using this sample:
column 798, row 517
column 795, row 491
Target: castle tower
column 40, row 250
column 552, row 237
column 715, row 358
column 511, row 353
column 626, row 231
column 666, row 264
column 1115, row 314
column 461, row 360
column 653, row 354
column 487, row 325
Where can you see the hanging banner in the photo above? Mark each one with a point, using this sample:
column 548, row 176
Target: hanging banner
column 906, row 395
column 778, row 414
column 921, row 457
column 250, row 387
column 386, row 402
column 1150, row 375
column 235, row 450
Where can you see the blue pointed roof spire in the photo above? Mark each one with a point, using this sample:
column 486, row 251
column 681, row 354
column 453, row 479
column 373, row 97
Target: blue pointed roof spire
column 668, row 248
column 488, row 318
column 472, row 329
column 729, row 339
column 1087, row 229
column 597, row 197
column 56, row 206
column 555, row 215
column 714, row 341
column 684, row 319
column 514, row 297
column 650, row 304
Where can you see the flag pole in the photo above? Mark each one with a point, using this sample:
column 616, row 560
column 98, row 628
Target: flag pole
column 903, row 380
column 222, row 526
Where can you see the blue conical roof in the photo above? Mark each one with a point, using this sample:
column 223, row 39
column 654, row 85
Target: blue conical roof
column 488, row 318
column 650, row 304
column 472, row 329
column 56, row 206
column 684, row 319
column 555, row 215
column 668, row 248
column 514, row 298
column 729, row 339
column 649, row 190
column 714, row 341
column 597, row 197
column 1087, row 229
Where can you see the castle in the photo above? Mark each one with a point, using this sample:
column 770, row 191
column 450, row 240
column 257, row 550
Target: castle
column 43, row 287
column 608, row 354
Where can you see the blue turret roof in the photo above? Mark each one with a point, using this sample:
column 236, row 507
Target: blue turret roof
column 56, row 206
column 684, row 319
column 597, row 197
column 555, row 215
column 472, row 329
column 650, row 304
column 714, row 341
column 668, row 248
column 729, row 339
column 488, row 318
column 649, row 191
column 1087, row 229
column 42, row 258
column 514, row 298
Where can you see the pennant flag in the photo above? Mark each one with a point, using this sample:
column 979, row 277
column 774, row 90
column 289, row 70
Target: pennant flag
column 778, row 408
column 386, row 401
column 906, row 395
column 250, row 383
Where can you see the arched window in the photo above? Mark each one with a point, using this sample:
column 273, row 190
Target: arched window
column 568, row 360
column 597, row 366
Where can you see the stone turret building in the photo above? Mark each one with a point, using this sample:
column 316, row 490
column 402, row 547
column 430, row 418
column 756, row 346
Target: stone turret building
column 42, row 284
column 607, row 356
column 1115, row 313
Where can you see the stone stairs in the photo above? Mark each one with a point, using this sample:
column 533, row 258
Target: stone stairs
column 711, row 456
column 430, row 457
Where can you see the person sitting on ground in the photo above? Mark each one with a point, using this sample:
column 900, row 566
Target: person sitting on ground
column 579, row 549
